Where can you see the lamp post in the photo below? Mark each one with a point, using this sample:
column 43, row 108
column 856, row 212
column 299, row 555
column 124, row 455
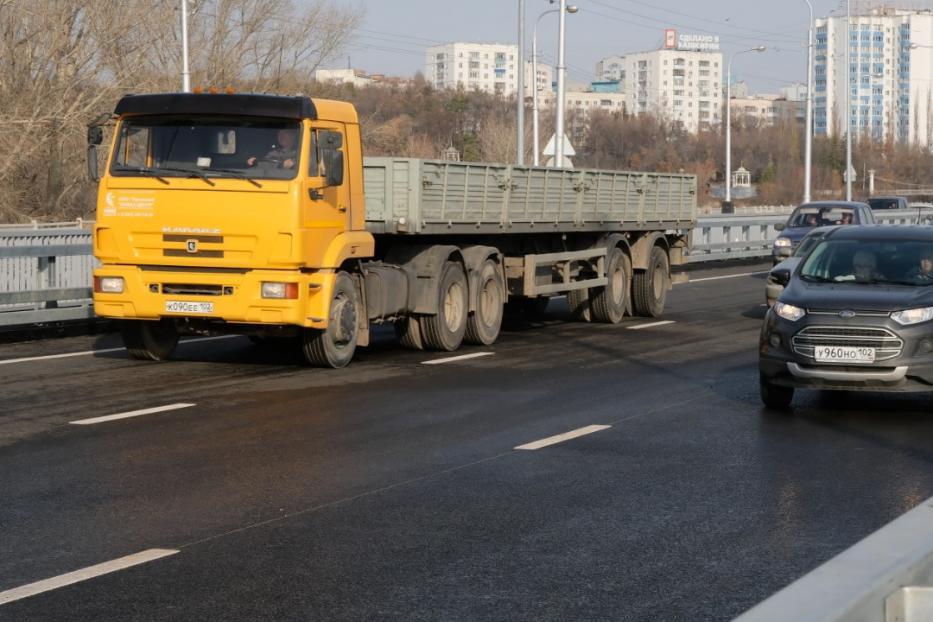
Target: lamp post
column 185, row 74
column 534, row 82
column 808, row 150
column 759, row 48
column 561, row 70
column 848, row 103
column 520, row 94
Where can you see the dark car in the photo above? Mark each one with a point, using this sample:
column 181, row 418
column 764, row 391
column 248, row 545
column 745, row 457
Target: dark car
column 888, row 203
column 809, row 216
column 857, row 314
column 780, row 274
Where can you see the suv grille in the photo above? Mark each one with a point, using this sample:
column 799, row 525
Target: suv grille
column 887, row 345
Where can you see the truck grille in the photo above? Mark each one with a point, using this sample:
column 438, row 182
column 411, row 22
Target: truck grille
column 187, row 289
column 887, row 345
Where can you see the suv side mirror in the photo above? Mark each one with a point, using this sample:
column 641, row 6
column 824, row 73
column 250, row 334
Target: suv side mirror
column 780, row 226
column 781, row 277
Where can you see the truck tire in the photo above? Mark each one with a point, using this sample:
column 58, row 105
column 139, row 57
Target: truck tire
column 580, row 306
column 484, row 324
column 149, row 340
column 609, row 303
column 773, row 395
column 444, row 331
column 408, row 332
column 335, row 345
column 649, row 288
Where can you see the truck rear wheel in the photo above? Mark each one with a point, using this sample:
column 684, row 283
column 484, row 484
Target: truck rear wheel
column 610, row 303
column 649, row 288
column 335, row 345
column 444, row 331
column 149, row 340
column 484, row 324
column 580, row 305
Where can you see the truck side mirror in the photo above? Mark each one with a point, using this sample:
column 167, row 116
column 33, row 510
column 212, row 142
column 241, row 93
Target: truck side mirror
column 95, row 135
column 333, row 166
column 92, row 172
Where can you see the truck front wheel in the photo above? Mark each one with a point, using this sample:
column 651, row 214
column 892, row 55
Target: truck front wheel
column 335, row 345
column 444, row 331
column 484, row 324
column 148, row 340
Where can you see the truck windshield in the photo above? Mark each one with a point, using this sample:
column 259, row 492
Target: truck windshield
column 207, row 146
column 901, row 262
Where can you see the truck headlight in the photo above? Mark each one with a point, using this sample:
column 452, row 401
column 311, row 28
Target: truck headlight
column 913, row 316
column 788, row 312
column 783, row 243
column 273, row 289
column 108, row 284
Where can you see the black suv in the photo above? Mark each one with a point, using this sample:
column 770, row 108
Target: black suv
column 857, row 314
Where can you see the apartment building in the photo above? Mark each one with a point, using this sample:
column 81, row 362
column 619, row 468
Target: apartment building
column 489, row 67
column 891, row 69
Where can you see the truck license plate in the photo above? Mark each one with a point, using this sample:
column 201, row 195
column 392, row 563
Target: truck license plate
column 179, row 306
column 843, row 354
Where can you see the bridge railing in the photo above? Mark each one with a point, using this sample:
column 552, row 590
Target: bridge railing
column 45, row 269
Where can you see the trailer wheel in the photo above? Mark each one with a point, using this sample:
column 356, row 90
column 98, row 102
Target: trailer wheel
column 149, row 340
column 484, row 324
column 609, row 303
column 409, row 335
column 444, row 331
column 580, row 306
column 649, row 288
column 335, row 345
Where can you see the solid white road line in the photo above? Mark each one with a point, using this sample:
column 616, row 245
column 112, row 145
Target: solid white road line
column 566, row 436
column 25, row 591
column 132, row 413
column 462, row 357
column 640, row 326
column 726, row 276
column 104, row 351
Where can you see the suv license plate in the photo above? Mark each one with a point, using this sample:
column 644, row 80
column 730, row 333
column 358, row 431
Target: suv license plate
column 842, row 354
column 179, row 306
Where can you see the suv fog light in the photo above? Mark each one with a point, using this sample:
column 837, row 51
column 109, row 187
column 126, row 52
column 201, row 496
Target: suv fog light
column 775, row 340
column 271, row 289
column 108, row 284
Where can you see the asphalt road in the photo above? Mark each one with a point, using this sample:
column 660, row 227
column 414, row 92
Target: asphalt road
column 392, row 489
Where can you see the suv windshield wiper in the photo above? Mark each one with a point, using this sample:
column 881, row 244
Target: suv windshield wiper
column 813, row 278
column 236, row 173
column 140, row 169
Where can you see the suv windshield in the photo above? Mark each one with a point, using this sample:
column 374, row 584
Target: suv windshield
column 902, row 262
column 201, row 146
column 808, row 243
column 821, row 216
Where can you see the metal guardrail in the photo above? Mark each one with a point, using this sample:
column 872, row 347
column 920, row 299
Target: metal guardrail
column 45, row 269
column 45, row 273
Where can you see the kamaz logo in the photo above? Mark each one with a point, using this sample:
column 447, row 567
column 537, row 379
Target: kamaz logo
column 191, row 246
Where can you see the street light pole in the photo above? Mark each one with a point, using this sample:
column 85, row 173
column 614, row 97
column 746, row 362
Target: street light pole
column 561, row 70
column 848, row 103
column 759, row 48
column 520, row 95
column 808, row 150
column 185, row 74
column 534, row 80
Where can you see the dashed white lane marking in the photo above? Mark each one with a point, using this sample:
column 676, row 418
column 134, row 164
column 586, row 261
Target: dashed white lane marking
column 462, row 357
column 25, row 591
column 566, row 436
column 132, row 413
column 718, row 278
column 640, row 326
column 104, row 351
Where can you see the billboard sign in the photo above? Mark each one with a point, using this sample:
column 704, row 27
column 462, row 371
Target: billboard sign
column 670, row 39
column 697, row 43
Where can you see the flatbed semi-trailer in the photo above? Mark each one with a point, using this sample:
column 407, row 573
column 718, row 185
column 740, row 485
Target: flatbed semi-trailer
column 257, row 214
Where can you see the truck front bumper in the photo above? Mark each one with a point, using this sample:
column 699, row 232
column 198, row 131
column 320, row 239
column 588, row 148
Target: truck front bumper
column 228, row 296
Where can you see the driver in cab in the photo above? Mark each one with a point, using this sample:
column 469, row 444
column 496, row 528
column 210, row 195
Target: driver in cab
column 283, row 153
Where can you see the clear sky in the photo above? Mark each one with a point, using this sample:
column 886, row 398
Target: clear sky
column 395, row 32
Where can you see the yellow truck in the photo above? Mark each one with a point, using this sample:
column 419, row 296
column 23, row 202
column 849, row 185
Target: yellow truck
column 257, row 214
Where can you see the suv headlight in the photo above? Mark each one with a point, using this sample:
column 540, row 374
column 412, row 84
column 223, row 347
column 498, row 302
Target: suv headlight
column 783, row 243
column 788, row 312
column 913, row 316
